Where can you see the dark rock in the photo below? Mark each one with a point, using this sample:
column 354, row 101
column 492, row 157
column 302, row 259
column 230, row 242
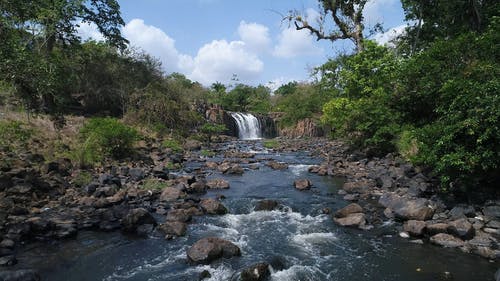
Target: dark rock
column 136, row 218
column 235, row 170
column 64, row 228
column 105, row 179
column 205, row 274
column 349, row 209
column 161, row 172
column 192, row 145
column 209, row 249
column 8, row 261
column 213, row 207
column 7, row 243
column 136, row 174
column 356, row 219
column 384, row 182
column 406, row 208
column 357, row 186
column 171, row 194
column 414, row 227
column 5, row 182
column 460, row 212
column 461, row 228
column 20, row 275
column 178, row 215
column 218, row 184
column 492, row 211
column 302, row 184
column 199, row 186
column 433, row 229
column 266, row 205
column 91, row 188
column 447, row 240
column 257, row 272
column 173, row 228
column 105, row 191
column 144, row 230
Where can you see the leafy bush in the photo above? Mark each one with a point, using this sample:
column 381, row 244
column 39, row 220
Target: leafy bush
column 106, row 137
column 172, row 144
column 14, row 134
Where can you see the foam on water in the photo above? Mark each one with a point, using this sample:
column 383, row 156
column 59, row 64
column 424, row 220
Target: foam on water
column 297, row 273
column 299, row 169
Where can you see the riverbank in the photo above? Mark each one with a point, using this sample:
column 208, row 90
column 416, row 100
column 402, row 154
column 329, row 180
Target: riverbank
column 143, row 198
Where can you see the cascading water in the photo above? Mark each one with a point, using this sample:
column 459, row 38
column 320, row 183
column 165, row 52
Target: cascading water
column 248, row 126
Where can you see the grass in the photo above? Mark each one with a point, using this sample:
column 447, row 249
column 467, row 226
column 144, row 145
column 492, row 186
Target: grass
column 82, row 179
column 172, row 144
column 207, row 153
column 154, row 184
column 271, row 144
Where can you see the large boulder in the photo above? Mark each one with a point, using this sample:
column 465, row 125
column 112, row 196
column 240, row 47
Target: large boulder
column 302, row 184
column 349, row 209
column 461, row 228
column 435, row 228
column 136, row 218
column 171, row 194
column 19, row 275
column 218, row 184
column 266, row 205
column 447, row 240
column 414, row 227
column 257, row 272
column 353, row 220
column 213, row 207
column 173, row 228
column 407, row 208
column 178, row 215
column 206, row 250
column 199, row 186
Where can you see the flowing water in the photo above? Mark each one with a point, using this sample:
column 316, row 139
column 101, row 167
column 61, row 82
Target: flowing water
column 248, row 126
column 298, row 241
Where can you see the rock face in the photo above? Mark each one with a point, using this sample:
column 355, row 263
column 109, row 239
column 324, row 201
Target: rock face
column 302, row 184
column 206, row 250
column 347, row 210
column 136, row 218
column 266, row 205
column 447, row 240
column 213, row 207
column 304, row 128
column 407, row 208
column 257, row 272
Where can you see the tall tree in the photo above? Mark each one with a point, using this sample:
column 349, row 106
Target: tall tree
column 346, row 21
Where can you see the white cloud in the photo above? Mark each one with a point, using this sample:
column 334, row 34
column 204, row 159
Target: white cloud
column 312, row 16
column 293, row 43
column 155, row 42
column 255, row 36
column 219, row 60
column 278, row 82
column 374, row 10
column 89, row 31
column 392, row 33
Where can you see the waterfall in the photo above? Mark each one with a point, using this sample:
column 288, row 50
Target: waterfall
column 248, row 126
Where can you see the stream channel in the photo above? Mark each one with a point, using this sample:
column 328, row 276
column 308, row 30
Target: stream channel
column 299, row 241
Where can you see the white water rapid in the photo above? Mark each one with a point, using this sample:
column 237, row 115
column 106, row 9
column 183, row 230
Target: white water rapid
column 248, row 126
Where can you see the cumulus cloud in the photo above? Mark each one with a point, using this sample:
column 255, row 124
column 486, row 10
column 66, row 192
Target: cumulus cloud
column 392, row 33
column 219, row 60
column 155, row 42
column 374, row 9
column 255, row 36
column 89, row 31
column 293, row 43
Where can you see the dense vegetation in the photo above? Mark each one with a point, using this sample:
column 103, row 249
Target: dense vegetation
column 431, row 95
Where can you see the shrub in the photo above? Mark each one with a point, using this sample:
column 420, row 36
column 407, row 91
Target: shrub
column 14, row 134
column 172, row 144
column 106, row 137
column 271, row 144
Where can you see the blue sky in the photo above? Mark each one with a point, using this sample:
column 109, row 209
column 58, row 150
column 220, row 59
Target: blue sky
column 210, row 40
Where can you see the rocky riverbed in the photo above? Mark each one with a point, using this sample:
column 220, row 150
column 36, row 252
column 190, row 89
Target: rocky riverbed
column 43, row 202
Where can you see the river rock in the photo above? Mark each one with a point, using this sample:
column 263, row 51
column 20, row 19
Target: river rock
column 211, row 165
column 356, row 219
column 266, row 205
column 178, row 215
column 406, row 208
column 257, row 272
column 492, row 211
column 173, row 228
column 218, row 184
column 136, row 218
column 192, row 145
column 235, row 170
column 435, row 228
column 357, row 186
column 277, row 165
column 461, row 228
column 8, row 260
column 200, row 186
column 209, row 249
column 349, row 209
column 7, row 243
column 136, row 174
column 19, row 275
column 171, row 194
column 447, row 240
column 302, row 184
column 213, row 207
column 414, row 227
column 460, row 212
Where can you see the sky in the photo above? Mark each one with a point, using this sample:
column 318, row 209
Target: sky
column 217, row 40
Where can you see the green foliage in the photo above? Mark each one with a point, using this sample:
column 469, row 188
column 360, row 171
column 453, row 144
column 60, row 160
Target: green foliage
column 154, row 184
column 106, row 137
column 271, row 144
column 14, row 134
column 211, row 129
column 207, row 153
column 242, row 98
column 82, row 178
column 172, row 144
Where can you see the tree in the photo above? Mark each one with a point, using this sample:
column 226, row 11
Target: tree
column 346, row 16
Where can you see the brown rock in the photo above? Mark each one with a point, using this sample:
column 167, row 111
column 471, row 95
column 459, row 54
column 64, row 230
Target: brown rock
column 433, row 229
column 302, row 184
column 447, row 240
column 266, row 205
column 256, row 272
column 213, row 207
column 209, row 249
column 349, row 209
column 173, row 228
column 178, row 215
column 414, row 227
column 407, row 208
column 136, row 218
column 356, row 219
column 170, row 194
column 277, row 165
column 461, row 228
column 218, row 184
